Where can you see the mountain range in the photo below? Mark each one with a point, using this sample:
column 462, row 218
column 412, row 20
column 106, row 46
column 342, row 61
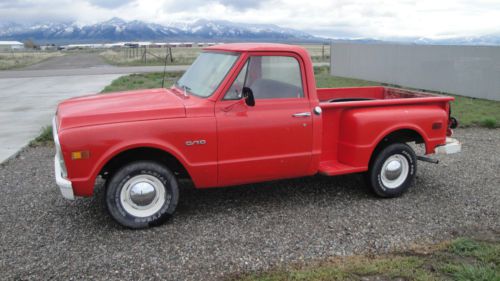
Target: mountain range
column 117, row 29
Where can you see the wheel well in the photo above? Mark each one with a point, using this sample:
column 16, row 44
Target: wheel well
column 144, row 153
column 402, row 136
column 399, row 136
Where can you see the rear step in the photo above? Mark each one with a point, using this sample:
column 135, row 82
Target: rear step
column 427, row 159
column 334, row 168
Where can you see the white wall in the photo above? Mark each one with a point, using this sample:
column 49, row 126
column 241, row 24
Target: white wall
column 463, row 70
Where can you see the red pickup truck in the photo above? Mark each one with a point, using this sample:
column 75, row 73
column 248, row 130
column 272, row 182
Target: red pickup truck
column 242, row 113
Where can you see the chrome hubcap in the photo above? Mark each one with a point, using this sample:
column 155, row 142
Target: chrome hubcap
column 395, row 171
column 143, row 195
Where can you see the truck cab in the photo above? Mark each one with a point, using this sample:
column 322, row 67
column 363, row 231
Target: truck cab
column 242, row 113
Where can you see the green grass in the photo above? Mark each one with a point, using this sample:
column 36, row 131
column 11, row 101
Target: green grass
column 476, row 112
column 141, row 81
column 461, row 259
column 325, row 80
column 471, row 248
column 466, row 272
column 153, row 56
column 44, row 138
column 483, row 260
column 489, row 122
column 13, row 60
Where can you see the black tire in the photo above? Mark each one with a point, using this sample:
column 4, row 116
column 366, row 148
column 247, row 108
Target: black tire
column 159, row 174
column 382, row 185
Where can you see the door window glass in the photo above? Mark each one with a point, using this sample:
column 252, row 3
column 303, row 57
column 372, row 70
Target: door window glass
column 272, row 77
column 269, row 77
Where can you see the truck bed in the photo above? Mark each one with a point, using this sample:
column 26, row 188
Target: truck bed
column 355, row 118
column 367, row 93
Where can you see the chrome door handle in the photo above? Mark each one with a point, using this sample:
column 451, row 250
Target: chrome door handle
column 302, row 114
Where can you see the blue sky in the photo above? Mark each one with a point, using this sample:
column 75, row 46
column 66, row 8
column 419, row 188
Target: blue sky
column 381, row 19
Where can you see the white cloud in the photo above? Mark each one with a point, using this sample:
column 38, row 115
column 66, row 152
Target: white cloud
column 340, row 18
column 109, row 3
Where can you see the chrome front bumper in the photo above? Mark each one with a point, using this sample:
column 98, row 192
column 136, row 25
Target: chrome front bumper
column 452, row 146
column 65, row 185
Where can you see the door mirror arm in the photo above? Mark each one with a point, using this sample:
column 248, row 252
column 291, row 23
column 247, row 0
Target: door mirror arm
column 247, row 94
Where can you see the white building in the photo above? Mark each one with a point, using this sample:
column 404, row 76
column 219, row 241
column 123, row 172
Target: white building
column 11, row 45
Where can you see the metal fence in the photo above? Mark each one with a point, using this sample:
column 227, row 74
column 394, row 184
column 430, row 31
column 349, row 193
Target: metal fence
column 472, row 71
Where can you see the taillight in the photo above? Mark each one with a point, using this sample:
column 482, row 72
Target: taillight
column 452, row 123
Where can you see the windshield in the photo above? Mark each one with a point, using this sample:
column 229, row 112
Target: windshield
column 206, row 73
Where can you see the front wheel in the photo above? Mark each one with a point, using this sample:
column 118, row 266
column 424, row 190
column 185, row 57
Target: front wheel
column 142, row 194
column 393, row 170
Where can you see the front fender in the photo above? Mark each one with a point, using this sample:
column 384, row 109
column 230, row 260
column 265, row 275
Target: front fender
column 170, row 135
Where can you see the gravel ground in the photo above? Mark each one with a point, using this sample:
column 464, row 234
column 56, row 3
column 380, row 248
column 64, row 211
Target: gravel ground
column 220, row 232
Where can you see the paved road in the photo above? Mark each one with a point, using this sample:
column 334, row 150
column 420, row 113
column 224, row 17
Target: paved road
column 28, row 97
column 28, row 104
column 88, row 71
column 217, row 232
column 96, row 70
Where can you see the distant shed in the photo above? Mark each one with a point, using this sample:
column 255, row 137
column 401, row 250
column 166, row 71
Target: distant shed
column 11, row 45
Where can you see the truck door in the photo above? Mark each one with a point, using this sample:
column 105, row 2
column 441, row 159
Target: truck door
column 273, row 138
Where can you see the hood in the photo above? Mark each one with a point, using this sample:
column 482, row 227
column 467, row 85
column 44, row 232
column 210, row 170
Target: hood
column 120, row 107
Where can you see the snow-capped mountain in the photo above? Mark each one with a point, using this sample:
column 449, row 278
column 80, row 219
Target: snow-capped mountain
column 117, row 29
column 491, row 39
column 480, row 40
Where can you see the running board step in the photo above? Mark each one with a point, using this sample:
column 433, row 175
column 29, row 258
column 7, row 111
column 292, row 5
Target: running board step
column 334, row 168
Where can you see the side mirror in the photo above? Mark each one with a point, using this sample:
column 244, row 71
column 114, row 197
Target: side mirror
column 248, row 96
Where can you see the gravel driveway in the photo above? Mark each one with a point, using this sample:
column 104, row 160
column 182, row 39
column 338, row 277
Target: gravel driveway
column 223, row 231
column 70, row 61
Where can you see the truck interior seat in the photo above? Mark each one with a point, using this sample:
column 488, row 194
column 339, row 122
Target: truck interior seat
column 268, row 89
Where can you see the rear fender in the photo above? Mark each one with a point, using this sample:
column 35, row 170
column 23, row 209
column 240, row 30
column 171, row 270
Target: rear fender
column 363, row 129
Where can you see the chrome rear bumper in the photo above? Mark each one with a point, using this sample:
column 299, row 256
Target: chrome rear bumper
column 452, row 146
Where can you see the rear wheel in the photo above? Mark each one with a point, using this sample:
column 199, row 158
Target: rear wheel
column 393, row 170
column 142, row 194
